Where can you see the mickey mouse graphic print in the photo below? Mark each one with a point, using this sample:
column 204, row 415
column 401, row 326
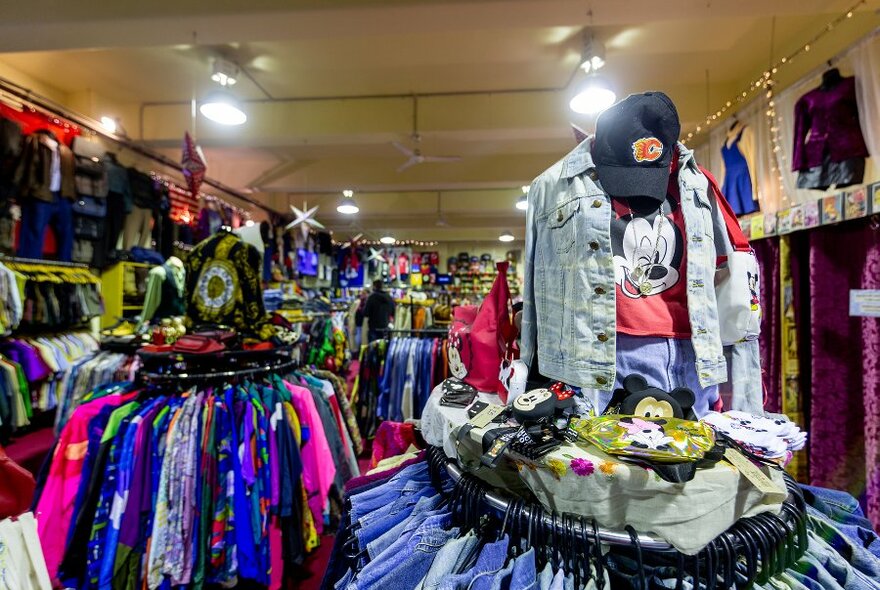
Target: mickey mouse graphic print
column 648, row 244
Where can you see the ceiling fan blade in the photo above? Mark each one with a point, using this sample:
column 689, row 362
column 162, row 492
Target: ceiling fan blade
column 409, row 163
column 403, row 149
column 442, row 159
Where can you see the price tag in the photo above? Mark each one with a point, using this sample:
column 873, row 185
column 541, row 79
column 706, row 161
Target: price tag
column 486, row 415
column 751, row 472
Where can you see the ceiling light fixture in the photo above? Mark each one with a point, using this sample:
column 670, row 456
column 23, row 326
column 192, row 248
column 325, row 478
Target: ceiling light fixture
column 387, row 240
column 224, row 72
column 347, row 206
column 593, row 54
column 109, row 123
column 595, row 95
column 223, row 108
column 522, row 203
column 506, row 237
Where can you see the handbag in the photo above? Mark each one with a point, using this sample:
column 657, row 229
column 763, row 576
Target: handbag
column 737, row 287
column 480, row 337
column 16, row 487
column 90, row 206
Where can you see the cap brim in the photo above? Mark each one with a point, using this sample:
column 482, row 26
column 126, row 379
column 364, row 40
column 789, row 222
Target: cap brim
column 620, row 181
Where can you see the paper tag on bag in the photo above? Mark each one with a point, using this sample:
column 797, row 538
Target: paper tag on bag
column 752, row 473
column 486, row 416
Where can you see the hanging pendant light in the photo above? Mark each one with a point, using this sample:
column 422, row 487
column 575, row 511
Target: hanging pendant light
column 223, row 108
column 347, row 206
column 506, row 237
column 594, row 95
column 388, row 240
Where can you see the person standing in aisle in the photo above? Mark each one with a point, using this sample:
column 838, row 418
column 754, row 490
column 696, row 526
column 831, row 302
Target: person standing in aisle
column 379, row 310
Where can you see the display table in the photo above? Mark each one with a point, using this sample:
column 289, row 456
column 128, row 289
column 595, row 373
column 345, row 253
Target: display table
column 580, row 479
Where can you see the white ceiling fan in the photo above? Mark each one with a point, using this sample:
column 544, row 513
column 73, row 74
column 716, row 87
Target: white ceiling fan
column 414, row 155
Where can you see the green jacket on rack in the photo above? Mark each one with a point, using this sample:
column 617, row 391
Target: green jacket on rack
column 223, row 284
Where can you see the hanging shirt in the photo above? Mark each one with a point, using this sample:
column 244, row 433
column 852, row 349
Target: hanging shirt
column 650, row 265
column 223, row 284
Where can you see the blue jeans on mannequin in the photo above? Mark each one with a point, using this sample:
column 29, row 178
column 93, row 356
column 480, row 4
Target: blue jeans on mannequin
column 36, row 215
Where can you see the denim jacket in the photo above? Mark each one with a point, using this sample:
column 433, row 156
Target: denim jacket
column 569, row 311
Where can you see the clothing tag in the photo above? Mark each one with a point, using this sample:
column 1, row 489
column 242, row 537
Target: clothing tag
column 486, row 416
column 751, row 472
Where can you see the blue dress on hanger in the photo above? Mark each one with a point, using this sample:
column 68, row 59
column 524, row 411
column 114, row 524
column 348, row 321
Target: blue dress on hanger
column 737, row 186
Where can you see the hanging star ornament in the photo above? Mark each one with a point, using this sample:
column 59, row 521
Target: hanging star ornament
column 353, row 242
column 305, row 220
column 377, row 255
column 194, row 166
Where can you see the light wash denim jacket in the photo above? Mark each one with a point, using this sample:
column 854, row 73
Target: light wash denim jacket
column 569, row 300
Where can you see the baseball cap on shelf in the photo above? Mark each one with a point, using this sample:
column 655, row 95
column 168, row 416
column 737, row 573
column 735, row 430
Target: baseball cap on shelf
column 634, row 144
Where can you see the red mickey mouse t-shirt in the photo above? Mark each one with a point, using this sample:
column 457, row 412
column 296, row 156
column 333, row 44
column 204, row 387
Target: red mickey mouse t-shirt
column 650, row 264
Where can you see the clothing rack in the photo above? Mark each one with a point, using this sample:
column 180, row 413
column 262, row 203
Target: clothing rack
column 35, row 101
column 223, row 375
column 618, row 538
column 17, row 260
column 418, row 331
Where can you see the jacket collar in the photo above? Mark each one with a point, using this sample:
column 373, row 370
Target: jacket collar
column 578, row 160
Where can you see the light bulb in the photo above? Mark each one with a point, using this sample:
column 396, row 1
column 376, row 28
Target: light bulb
column 594, row 96
column 223, row 108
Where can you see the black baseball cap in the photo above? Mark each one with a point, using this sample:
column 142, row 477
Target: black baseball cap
column 634, row 144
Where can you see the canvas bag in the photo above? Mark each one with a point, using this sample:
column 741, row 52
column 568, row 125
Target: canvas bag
column 479, row 338
column 737, row 290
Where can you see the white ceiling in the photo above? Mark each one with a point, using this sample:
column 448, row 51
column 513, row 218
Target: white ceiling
column 332, row 85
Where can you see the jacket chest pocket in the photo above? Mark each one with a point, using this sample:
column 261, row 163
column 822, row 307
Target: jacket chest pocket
column 562, row 226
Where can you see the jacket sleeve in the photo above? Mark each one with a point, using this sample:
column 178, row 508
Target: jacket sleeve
column 529, row 330
column 801, row 129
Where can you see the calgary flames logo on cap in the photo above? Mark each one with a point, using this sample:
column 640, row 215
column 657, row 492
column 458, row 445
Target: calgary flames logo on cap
column 647, row 149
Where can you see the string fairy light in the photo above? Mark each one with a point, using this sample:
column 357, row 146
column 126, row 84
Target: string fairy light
column 766, row 79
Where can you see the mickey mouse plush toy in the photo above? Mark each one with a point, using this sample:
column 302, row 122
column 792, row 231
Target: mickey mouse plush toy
column 637, row 398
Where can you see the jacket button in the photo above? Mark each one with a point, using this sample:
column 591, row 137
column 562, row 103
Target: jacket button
column 601, row 380
column 602, row 337
column 559, row 215
column 594, row 245
column 597, row 203
column 599, row 291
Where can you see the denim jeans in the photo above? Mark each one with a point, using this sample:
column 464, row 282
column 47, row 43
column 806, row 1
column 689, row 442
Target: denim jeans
column 846, row 514
column 36, row 216
column 362, row 504
column 448, row 560
column 491, row 559
column 430, row 535
column 423, row 511
column 666, row 363
column 860, row 558
column 520, row 574
column 377, row 523
column 426, row 545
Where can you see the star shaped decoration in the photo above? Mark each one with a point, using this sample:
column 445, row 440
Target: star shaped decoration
column 305, row 220
column 378, row 255
column 352, row 242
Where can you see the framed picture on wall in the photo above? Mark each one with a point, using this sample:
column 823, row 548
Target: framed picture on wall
column 811, row 214
column 784, row 222
column 855, row 203
column 770, row 224
column 797, row 217
column 874, row 193
column 832, row 209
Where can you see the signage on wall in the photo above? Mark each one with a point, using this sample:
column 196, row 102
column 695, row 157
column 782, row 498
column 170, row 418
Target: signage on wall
column 864, row 303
